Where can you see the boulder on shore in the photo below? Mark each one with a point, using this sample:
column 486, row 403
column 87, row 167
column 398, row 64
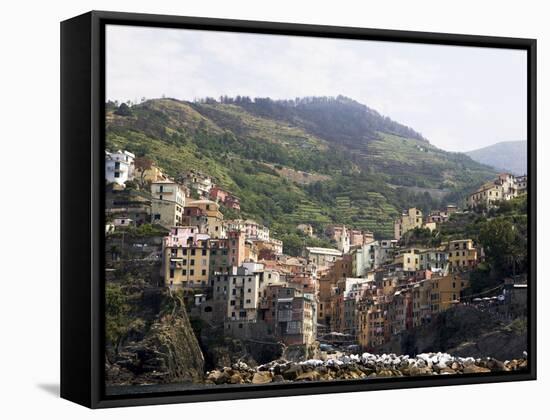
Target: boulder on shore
column 365, row 366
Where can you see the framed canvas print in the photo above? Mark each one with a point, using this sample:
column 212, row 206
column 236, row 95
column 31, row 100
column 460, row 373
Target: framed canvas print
column 255, row 209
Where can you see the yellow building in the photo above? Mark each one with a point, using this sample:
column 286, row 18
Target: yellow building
column 461, row 254
column 186, row 258
column 410, row 219
column 408, row 259
column 445, row 291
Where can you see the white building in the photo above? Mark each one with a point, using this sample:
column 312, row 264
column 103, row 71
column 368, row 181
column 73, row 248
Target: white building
column 366, row 258
column 243, row 295
column 119, row 167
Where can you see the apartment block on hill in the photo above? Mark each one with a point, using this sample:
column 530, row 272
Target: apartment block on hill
column 167, row 203
column 186, row 258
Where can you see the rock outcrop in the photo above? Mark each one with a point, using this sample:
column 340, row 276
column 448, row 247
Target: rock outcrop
column 168, row 352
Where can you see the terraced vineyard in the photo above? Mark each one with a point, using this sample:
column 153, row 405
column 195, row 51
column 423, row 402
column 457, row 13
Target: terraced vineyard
column 374, row 214
column 309, row 212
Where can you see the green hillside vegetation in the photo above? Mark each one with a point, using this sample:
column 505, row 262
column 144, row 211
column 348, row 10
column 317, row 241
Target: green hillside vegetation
column 362, row 179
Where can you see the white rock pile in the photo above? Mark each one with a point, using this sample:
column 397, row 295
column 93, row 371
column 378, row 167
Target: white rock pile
column 366, row 365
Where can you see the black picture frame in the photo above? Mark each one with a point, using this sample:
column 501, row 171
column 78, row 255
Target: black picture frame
column 82, row 205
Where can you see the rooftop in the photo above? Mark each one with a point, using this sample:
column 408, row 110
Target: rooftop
column 327, row 251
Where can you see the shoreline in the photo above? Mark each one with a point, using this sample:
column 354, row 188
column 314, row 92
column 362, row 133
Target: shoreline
column 363, row 367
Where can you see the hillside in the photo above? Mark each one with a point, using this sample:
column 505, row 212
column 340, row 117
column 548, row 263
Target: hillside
column 509, row 156
column 314, row 160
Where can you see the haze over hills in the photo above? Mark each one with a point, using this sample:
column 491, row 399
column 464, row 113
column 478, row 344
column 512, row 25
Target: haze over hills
column 351, row 164
column 509, row 156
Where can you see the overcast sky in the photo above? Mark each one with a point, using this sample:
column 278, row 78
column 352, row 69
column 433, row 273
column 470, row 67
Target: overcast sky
column 459, row 98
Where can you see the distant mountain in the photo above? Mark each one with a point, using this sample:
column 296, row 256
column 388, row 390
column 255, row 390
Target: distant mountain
column 354, row 165
column 509, row 156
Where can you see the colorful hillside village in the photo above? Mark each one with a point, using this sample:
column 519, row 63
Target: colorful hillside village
column 361, row 292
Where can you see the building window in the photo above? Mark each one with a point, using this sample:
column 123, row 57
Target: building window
column 204, row 252
column 192, row 262
column 117, row 174
column 203, row 272
column 191, row 272
column 184, row 272
column 171, row 273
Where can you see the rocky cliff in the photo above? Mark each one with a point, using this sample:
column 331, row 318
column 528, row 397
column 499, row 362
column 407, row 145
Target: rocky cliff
column 149, row 339
column 169, row 352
